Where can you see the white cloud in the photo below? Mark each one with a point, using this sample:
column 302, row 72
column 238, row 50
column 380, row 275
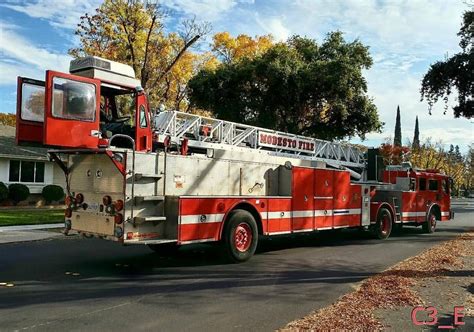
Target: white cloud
column 208, row 10
column 273, row 25
column 59, row 13
column 20, row 57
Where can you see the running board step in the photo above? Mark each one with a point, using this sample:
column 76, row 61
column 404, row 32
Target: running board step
column 151, row 241
column 152, row 198
column 139, row 176
column 140, row 220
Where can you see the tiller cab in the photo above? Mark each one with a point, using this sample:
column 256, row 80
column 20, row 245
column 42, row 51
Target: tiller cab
column 170, row 179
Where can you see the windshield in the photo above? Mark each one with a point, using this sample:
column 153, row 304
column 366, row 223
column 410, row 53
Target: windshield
column 73, row 100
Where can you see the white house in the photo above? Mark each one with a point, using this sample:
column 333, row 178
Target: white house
column 25, row 164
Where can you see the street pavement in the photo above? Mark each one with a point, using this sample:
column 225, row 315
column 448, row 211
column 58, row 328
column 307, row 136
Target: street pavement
column 70, row 283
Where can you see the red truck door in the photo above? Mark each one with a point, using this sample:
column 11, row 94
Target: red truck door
column 72, row 107
column 143, row 127
column 29, row 110
column 323, row 198
column 421, row 200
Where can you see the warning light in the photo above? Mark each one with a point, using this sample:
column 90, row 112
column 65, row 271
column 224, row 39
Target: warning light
column 107, row 200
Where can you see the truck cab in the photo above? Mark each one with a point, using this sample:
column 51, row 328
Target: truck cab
column 84, row 108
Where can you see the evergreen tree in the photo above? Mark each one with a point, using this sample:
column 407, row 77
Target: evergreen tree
column 457, row 154
column 397, row 141
column 416, row 138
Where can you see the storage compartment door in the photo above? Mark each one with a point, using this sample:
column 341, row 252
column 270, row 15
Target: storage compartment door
column 323, row 198
column 302, row 205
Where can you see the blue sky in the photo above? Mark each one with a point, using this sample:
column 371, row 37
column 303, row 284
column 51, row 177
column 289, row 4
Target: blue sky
column 405, row 37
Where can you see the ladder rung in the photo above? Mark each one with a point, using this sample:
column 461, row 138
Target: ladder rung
column 151, row 198
column 150, row 218
column 139, row 176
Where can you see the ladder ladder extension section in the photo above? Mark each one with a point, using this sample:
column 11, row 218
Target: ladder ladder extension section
column 204, row 132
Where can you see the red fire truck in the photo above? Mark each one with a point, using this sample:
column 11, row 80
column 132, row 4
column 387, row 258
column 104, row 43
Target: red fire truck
column 167, row 179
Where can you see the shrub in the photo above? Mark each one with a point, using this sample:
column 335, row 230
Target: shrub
column 52, row 193
column 18, row 192
column 3, row 192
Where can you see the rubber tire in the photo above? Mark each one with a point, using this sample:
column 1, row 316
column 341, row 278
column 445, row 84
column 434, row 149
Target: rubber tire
column 235, row 218
column 377, row 230
column 427, row 227
column 166, row 249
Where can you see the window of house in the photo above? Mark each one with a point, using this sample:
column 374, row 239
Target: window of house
column 421, row 184
column 26, row 171
column 433, row 185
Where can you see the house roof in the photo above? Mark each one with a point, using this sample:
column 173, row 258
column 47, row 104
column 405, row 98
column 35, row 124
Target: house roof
column 9, row 149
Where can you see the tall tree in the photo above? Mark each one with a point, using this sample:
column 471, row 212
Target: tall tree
column 7, row 119
column 416, row 137
column 455, row 73
column 133, row 32
column 397, row 140
column 299, row 86
column 229, row 49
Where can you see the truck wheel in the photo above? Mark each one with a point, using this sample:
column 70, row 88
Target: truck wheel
column 429, row 226
column 240, row 236
column 166, row 249
column 383, row 226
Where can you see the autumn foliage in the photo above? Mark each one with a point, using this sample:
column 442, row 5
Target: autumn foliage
column 7, row 119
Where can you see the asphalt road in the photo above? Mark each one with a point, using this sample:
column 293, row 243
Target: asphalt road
column 131, row 288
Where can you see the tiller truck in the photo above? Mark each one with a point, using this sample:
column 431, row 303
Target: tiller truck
column 168, row 179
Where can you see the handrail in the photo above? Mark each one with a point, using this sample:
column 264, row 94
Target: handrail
column 133, row 166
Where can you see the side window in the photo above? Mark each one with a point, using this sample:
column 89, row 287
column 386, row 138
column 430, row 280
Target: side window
column 445, row 185
column 32, row 102
column 73, row 100
column 143, row 121
column 433, row 185
column 421, row 184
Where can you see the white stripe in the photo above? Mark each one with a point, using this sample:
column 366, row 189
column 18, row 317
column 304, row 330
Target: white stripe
column 323, row 228
column 340, row 226
column 302, row 230
column 346, row 212
column 322, row 213
column 302, row 214
column 445, row 214
column 196, row 218
column 323, row 197
column 414, row 214
column 279, row 214
column 277, row 233
column 197, row 241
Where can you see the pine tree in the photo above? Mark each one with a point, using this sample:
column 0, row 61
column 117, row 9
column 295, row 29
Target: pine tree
column 397, row 141
column 416, row 138
column 457, row 154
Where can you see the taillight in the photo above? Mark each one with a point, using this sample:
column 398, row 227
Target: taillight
column 79, row 198
column 107, row 200
column 68, row 213
column 69, row 200
column 118, row 205
column 118, row 218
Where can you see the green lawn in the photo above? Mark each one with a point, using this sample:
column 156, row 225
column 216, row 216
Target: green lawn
column 30, row 217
